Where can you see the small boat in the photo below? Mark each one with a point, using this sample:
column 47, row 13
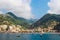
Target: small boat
column 59, row 34
column 40, row 35
column 18, row 36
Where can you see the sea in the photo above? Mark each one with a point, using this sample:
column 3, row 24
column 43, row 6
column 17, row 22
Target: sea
column 33, row 36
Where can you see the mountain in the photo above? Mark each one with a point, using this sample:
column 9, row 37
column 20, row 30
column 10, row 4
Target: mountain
column 13, row 19
column 20, row 18
column 14, row 16
column 47, row 20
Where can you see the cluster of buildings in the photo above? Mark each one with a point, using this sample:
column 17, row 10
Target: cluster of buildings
column 44, row 30
column 19, row 29
column 10, row 28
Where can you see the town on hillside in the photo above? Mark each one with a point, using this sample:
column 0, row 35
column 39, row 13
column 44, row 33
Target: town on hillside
column 19, row 29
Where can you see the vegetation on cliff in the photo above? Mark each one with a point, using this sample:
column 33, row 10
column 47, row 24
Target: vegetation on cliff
column 48, row 20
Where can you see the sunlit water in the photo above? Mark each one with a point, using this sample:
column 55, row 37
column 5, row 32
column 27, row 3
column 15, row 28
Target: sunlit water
column 18, row 36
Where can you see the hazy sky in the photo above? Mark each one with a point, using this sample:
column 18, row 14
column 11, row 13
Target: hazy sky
column 30, row 8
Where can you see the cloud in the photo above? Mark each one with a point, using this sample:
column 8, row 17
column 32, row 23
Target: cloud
column 54, row 6
column 20, row 8
column 1, row 12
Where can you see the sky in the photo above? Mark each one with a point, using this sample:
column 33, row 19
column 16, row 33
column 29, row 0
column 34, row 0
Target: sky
column 30, row 9
column 39, row 7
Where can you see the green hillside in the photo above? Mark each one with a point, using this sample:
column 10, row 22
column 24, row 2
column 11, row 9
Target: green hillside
column 46, row 21
column 9, row 18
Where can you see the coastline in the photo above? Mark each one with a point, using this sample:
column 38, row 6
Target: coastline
column 31, row 33
column 19, row 29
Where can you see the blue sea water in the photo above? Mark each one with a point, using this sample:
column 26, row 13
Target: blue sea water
column 18, row 36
